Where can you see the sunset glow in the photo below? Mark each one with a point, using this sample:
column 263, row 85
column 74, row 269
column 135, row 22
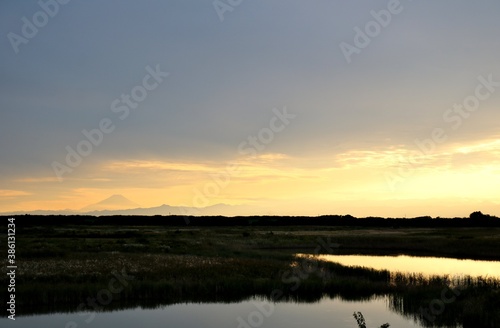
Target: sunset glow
column 284, row 117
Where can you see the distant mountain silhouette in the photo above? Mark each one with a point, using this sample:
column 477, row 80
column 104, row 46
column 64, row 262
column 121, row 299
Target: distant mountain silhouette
column 218, row 209
column 120, row 205
column 114, row 202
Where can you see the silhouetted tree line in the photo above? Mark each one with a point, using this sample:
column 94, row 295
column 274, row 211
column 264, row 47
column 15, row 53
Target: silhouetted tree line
column 475, row 219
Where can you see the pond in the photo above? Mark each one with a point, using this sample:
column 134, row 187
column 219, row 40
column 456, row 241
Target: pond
column 400, row 307
column 427, row 266
column 253, row 313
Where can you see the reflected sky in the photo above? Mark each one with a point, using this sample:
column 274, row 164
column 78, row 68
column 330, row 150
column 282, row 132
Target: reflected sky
column 326, row 313
column 425, row 265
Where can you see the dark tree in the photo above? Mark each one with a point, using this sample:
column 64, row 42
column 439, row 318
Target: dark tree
column 478, row 215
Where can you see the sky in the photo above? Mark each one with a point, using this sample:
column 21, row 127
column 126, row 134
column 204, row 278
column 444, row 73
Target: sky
column 369, row 108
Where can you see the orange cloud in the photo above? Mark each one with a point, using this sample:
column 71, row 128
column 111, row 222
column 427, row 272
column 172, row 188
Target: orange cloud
column 13, row 193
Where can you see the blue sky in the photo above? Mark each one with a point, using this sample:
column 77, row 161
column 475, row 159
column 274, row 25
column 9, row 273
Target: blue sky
column 225, row 77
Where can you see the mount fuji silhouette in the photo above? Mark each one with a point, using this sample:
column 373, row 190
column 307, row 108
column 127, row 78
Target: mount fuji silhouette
column 114, row 202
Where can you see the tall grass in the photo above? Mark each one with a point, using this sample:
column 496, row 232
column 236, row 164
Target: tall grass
column 58, row 269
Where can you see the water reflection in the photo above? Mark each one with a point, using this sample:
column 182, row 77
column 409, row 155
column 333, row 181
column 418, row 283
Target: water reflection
column 428, row 266
column 324, row 313
column 324, row 301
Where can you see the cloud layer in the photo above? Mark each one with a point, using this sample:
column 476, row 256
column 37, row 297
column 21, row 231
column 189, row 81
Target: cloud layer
column 356, row 122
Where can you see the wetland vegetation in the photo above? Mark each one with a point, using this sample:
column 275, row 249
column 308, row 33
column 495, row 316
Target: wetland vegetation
column 63, row 262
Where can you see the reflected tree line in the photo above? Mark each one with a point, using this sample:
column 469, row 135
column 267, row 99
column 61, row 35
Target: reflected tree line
column 432, row 302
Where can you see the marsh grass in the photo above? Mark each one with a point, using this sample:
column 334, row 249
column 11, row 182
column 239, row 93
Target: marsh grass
column 60, row 267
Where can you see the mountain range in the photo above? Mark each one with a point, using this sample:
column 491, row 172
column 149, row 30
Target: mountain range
column 120, row 205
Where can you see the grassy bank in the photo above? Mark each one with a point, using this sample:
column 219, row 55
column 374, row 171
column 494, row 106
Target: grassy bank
column 68, row 241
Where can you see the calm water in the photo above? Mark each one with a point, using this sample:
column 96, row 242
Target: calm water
column 326, row 313
column 428, row 266
column 261, row 313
